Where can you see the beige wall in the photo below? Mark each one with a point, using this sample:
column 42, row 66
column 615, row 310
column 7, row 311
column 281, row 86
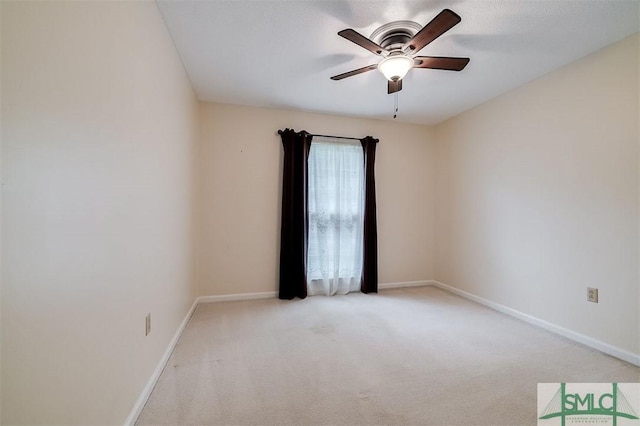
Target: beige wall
column 537, row 197
column 241, row 162
column 525, row 201
column 99, row 129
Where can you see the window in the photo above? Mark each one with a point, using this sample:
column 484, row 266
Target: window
column 336, row 216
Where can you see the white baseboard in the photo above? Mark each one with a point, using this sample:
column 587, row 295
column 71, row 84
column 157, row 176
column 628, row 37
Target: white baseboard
column 233, row 297
column 274, row 294
column 146, row 392
column 608, row 349
column 406, row 284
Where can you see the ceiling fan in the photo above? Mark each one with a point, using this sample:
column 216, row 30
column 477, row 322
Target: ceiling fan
column 398, row 42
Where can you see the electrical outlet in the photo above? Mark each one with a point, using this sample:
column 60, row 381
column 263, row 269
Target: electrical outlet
column 592, row 294
column 147, row 325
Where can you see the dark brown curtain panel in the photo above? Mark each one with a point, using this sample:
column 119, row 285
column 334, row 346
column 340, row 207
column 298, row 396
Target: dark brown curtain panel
column 370, row 267
column 293, row 229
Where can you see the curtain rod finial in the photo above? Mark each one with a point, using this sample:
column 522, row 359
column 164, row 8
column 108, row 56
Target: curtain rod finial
column 370, row 138
column 292, row 131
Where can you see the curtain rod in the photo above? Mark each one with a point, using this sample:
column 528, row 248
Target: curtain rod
column 344, row 137
column 329, row 136
column 336, row 137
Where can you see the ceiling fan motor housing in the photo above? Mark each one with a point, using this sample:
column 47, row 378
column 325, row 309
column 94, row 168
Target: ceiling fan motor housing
column 394, row 35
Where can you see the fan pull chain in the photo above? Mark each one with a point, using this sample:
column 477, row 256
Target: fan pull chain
column 395, row 105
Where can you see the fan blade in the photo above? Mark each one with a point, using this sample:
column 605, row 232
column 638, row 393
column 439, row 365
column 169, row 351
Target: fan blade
column 362, row 41
column 394, row 86
column 434, row 29
column 440, row 63
column 354, row 72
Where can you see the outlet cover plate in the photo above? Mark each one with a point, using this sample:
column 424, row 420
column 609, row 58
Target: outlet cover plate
column 592, row 294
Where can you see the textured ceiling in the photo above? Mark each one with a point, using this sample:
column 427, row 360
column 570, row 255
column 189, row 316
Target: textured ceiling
column 282, row 53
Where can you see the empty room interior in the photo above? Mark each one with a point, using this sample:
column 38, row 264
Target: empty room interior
column 155, row 270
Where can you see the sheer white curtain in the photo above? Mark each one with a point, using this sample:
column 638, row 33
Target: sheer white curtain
column 336, row 216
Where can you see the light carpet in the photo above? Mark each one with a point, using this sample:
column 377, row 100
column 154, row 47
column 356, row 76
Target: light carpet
column 417, row 356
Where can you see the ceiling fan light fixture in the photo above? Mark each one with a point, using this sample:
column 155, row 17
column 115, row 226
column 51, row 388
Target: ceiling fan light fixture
column 395, row 67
